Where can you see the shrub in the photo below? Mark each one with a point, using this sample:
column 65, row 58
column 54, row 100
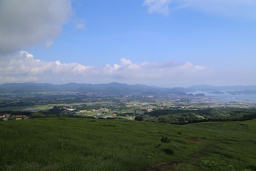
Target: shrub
column 139, row 118
column 168, row 151
column 165, row 139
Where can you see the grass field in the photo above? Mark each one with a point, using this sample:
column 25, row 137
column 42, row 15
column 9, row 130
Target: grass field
column 89, row 144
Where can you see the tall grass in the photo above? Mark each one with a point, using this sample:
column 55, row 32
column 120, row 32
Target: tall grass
column 89, row 144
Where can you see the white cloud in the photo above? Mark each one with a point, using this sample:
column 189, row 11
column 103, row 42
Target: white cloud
column 24, row 23
column 238, row 8
column 159, row 6
column 80, row 26
column 23, row 67
column 49, row 44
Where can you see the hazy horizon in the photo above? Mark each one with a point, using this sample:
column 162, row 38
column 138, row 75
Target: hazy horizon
column 130, row 84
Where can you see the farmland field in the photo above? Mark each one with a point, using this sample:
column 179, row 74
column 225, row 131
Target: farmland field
column 90, row 144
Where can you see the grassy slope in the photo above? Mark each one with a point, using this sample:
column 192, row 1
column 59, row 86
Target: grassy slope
column 88, row 144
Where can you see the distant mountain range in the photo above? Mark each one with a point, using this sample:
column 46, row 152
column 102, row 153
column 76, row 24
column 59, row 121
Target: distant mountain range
column 118, row 89
column 111, row 89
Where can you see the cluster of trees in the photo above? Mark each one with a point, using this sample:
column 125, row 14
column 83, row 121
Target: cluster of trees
column 184, row 116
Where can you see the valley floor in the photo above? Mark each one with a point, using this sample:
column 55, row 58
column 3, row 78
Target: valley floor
column 90, row 144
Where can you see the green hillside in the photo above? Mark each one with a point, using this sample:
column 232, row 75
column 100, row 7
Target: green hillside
column 89, row 144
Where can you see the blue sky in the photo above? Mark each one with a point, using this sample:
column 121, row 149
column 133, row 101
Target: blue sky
column 126, row 29
column 219, row 36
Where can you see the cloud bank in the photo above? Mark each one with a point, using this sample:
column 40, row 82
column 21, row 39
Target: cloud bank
column 237, row 8
column 24, row 67
column 24, row 23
